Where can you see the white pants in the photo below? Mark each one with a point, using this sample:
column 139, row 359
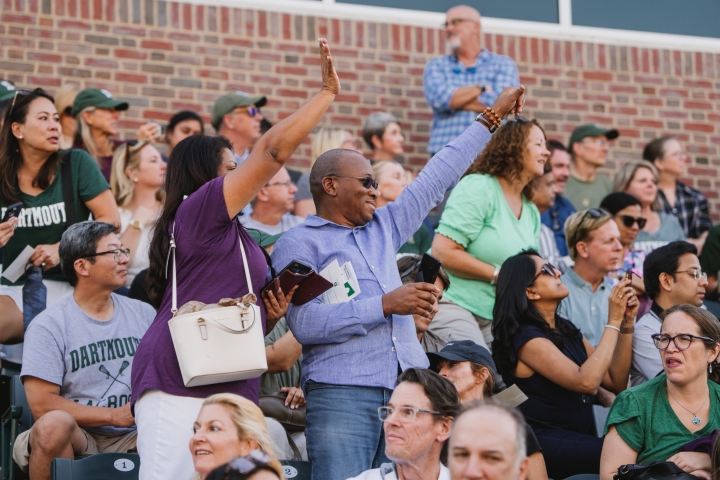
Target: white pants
column 55, row 291
column 165, row 427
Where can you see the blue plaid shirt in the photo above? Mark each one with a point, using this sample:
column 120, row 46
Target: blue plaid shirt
column 691, row 209
column 443, row 75
column 354, row 343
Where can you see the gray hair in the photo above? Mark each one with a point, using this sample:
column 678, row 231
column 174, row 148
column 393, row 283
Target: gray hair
column 376, row 124
column 497, row 408
column 81, row 240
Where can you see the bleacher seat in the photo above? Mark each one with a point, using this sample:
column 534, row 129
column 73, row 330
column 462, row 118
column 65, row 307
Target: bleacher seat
column 15, row 420
column 296, row 469
column 108, row 466
column 601, row 414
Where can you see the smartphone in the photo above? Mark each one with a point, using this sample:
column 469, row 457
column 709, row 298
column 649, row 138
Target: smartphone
column 12, row 211
column 429, row 268
column 297, row 273
column 629, row 275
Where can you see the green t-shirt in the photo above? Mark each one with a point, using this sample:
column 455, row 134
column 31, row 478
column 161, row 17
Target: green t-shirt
column 584, row 195
column 478, row 217
column 42, row 219
column 273, row 382
column 647, row 423
column 419, row 243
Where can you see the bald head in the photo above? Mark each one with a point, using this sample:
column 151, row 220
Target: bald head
column 333, row 162
column 463, row 11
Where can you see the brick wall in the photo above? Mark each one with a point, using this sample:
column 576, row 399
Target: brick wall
column 165, row 56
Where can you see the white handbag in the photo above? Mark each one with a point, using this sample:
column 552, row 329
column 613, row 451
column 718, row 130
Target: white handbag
column 218, row 345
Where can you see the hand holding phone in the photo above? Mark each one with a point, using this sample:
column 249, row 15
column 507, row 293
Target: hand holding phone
column 13, row 211
column 429, row 268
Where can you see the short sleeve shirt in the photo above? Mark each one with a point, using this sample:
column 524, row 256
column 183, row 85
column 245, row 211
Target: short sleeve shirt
column 669, row 231
column 584, row 195
column 647, row 423
column 478, row 217
column 43, row 220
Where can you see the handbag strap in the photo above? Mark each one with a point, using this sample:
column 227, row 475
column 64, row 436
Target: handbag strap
column 293, row 446
column 173, row 247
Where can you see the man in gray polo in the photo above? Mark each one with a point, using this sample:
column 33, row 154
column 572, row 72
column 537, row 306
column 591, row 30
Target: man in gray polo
column 237, row 116
column 588, row 149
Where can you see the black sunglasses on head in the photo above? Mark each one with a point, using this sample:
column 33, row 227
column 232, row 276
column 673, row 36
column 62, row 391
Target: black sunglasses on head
column 628, row 221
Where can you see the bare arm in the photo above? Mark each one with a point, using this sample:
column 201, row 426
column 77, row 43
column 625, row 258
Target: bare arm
column 45, row 397
column 283, row 354
column 104, row 208
column 305, row 207
column 615, row 452
column 276, row 146
column 536, row 467
column 542, row 356
column 459, row 262
column 464, row 97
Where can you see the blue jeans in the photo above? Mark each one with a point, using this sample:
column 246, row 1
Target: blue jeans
column 344, row 434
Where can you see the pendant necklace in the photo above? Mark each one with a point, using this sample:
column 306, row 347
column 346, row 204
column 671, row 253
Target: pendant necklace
column 696, row 420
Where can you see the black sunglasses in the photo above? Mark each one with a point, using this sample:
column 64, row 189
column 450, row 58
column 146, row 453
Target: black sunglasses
column 594, row 213
column 628, row 221
column 547, row 269
column 17, row 92
column 367, row 182
column 519, row 119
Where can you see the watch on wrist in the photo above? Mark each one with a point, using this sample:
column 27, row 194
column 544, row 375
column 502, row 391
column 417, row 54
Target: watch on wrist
column 482, row 88
column 487, row 122
column 136, row 224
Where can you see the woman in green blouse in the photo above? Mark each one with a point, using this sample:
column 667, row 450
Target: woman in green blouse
column 651, row 422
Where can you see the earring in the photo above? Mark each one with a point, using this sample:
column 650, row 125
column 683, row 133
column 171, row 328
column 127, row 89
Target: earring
column 20, row 137
column 135, row 180
column 537, row 297
column 710, row 370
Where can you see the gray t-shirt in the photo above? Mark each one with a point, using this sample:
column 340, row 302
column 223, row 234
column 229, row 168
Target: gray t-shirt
column 669, row 231
column 286, row 223
column 89, row 359
column 303, row 186
column 646, row 361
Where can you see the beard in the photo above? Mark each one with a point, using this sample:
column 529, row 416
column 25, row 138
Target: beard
column 454, row 42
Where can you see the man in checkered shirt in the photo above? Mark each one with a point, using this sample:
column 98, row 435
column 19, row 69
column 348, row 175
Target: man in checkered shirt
column 459, row 86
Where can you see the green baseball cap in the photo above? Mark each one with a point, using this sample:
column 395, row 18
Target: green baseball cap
column 591, row 130
column 7, row 90
column 229, row 102
column 94, row 97
column 263, row 239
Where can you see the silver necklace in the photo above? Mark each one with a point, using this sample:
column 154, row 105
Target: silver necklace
column 696, row 420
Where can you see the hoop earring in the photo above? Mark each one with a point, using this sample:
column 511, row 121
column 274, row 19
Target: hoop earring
column 710, row 369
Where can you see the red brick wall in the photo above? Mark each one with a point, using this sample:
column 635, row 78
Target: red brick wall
column 165, row 56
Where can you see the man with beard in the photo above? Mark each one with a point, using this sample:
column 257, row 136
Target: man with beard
column 462, row 84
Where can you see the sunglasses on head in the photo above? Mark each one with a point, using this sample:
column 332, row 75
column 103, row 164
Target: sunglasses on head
column 594, row 213
column 367, row 182
column 628, row 221
column 17, row 92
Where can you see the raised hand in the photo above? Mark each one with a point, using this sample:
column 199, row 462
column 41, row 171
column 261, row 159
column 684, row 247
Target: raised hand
column 330, row 80
column 510, row 100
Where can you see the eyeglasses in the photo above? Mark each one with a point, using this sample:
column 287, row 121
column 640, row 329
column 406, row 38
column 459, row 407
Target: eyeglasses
column 405, row 414
column 356, row 144
column 367, row 182
column 695, row 273
column 414, row 265
column 457, row 21
column 117, row 254
column 597, row 141
column 547, row 269
column 17, row 92
column 286, row 183
column 682, row 341
column 628, row 221
column 252, row 111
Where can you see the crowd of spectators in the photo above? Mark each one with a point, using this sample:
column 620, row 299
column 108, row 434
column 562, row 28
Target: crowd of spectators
column 561, row 292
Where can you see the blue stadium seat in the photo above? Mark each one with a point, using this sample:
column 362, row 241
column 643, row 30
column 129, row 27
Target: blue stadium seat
column 296, row 469
column 108, row 466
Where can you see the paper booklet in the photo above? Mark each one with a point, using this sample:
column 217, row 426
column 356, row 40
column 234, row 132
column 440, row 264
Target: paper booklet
column 345, row 284
column 17, row 267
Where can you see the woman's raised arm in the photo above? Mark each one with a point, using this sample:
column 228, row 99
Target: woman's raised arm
column 275, row 147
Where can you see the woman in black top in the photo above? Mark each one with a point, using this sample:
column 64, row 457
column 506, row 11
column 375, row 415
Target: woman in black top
column 551, row 362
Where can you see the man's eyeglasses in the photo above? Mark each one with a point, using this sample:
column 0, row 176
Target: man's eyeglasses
column 286, row 183
column 628, row 221
column 405, row 414
column 594, row 213
column 457, row 21
column 600, row 142
column 367, row 182
column 682, row 341
column 17, row 92
column 547, row 269
column 117, row 254
column 695, row 273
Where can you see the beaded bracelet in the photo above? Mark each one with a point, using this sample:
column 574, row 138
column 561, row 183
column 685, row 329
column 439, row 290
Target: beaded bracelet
column 494, row 117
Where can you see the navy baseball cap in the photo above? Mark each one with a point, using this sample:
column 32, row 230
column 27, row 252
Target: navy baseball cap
column 465, row 351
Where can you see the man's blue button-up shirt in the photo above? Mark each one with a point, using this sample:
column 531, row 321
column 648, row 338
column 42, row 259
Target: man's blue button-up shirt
column 353, row 343
column 443, row 75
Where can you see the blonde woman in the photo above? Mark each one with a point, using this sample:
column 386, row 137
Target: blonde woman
column 64, row 99
column 327, row 138
column 640, row 179
column 137, row 180
column 228, row 426
column 392, row 180
column 97, row 114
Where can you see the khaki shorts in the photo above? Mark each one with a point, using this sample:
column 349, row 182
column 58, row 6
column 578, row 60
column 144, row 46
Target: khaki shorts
column 95, row 444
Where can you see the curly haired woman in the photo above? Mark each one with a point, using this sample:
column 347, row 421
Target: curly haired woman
column 488, row 218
